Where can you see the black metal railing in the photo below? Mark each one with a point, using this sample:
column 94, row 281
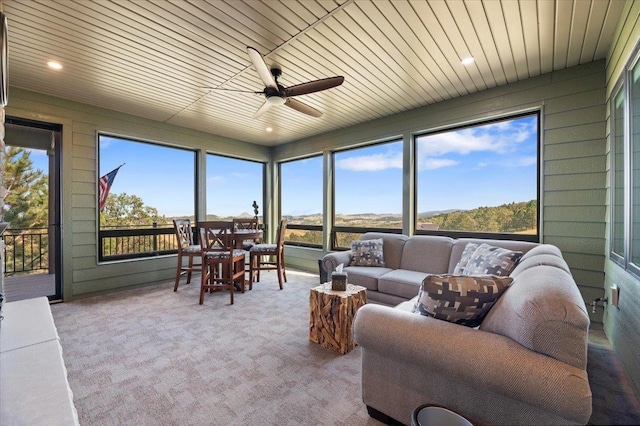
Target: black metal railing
column 303, row 235
column 118, row 243
column 343, row 235
column 26, row 250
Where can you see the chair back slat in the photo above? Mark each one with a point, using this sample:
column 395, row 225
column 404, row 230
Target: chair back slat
column 245, row 223
column 216, row 235
column 184, row 233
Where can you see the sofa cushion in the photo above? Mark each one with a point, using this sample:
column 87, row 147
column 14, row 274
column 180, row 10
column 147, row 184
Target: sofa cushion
column 543, row 249
column 427, row 253
column 401, row 282
column 365, row 276
column 544, row 311
column 461, row 299
column 491, row 260
column 367, row 253
column 537, row 260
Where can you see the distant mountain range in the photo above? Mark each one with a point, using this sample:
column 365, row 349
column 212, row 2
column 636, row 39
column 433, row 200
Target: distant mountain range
column 437, row 212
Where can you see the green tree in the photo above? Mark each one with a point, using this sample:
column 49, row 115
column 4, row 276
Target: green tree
column 124, row 211
column 25, row 206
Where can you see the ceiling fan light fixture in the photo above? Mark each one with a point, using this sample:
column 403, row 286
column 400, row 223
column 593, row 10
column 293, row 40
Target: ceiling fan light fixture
column 276, row 100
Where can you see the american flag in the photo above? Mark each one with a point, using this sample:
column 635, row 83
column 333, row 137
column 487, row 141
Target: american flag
column 105, row 185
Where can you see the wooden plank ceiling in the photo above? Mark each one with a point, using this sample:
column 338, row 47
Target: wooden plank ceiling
column 153, row 58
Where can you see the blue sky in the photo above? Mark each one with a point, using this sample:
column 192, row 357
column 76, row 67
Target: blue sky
column 479, row 166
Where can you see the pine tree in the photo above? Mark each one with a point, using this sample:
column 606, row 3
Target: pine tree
column 25, row 206
column 25, row 203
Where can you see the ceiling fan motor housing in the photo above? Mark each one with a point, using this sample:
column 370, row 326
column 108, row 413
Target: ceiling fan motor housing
column 275, row 96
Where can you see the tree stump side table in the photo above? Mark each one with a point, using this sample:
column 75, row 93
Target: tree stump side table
column 331, row 316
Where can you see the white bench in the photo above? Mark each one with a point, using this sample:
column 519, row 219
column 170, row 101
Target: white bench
column 33, row 379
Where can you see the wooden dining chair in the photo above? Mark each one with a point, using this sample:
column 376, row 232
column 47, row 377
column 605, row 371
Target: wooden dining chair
column 250, row 223
column 246, row 223
column 223, row 264
column 186, row 248
column 269, row 256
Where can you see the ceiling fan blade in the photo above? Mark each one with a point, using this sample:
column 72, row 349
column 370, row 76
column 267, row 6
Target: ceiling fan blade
column 314, row 86
column 303, row 108
column 261, row 67
column 232, row 90
column 264, row 108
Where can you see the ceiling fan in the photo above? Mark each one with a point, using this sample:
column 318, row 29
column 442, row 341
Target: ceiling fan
column 277, row 94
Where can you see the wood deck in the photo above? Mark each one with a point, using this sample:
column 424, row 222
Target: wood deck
column 29, row 286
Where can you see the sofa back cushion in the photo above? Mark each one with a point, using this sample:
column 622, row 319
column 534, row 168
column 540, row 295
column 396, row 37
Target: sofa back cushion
column 392, row 247
column 543, row 310
column 540, row 259
column 460, row 244
column 427, row 253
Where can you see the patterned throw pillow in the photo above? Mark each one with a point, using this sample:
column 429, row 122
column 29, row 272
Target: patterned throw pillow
column 490, row 260
column 367, row 253
column 469, row 249
column 460, row 299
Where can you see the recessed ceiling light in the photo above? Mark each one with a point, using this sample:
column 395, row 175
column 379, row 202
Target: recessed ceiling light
column 269, row 129
column 468, row 60
column 54, row 65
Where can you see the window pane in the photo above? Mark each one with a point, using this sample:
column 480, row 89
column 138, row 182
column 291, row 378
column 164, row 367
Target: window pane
column 155, row 184
column 301, row 199
column 368, row 186
column 232, row 187
column 482, row 178
column 635, row 166
column 617, row 226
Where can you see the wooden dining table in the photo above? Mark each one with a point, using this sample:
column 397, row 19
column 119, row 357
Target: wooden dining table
column 243, row 235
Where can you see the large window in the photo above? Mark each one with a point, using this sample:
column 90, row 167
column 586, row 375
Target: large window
column 634, row 167
column 479, row 179
column 625, row 169
column 368, row 191
column 618, row 176
column 142, row 187
column 301, row 198
column 232, row 187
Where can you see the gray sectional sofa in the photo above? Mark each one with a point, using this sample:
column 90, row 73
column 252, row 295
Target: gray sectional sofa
column 524, row 364
column 408, row 260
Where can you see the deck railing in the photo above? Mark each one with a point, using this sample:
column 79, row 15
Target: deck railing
column 117, row 242
column 26, row 250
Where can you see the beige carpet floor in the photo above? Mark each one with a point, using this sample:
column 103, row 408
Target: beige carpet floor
column 149, row 356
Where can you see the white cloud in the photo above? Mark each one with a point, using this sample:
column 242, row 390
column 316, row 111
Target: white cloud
column 369, row 163
column 437, row 163
column 498, row 137
column 216, row 179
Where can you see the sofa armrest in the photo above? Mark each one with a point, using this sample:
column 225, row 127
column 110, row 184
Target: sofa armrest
column 489, row 362
column 331, row 260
